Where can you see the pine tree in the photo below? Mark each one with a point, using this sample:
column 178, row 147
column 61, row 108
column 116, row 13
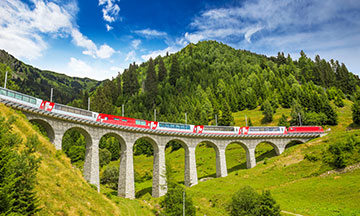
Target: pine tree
column 226, row 117
column 162, row 70
column 174, row 71
column 296, row 112
column 268, row 112
column 151, row 84
column 130, row 81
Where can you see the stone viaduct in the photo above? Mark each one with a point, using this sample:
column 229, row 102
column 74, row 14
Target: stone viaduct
column 56, row 125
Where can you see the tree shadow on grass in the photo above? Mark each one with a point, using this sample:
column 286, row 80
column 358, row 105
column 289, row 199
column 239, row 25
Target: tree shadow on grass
column 352, row 126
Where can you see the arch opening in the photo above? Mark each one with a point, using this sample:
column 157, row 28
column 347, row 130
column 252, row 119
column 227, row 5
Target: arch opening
column 265, row 150
column 175, row 154
column 44, row 128
column 144, row 151
column 75, row 143
column 236, row 156
column 110, row 147
column 206, row 154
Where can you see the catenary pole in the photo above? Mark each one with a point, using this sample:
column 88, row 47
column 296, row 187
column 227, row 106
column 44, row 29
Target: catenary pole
column 5, row 79
column 51, row 94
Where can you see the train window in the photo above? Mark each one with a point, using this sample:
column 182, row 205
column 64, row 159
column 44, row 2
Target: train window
column 17, row 96
column 106, row 118
column 33, row 101
column 2, row 91
column 26, row 99
column 11, row 94
column 116, row 119
column 140, row 122
column 124, row 120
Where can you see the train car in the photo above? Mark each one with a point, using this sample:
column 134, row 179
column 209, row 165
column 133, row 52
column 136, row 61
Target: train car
column 125, row 121
column 20, row 98
column 305, row 129
column 174, row 127
column 68, row 110
column 263, row 130
column 210, row 129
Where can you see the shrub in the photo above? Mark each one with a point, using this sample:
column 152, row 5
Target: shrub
column 342, row 153
column 110, row 177
column 311, row 157
column 247, row 202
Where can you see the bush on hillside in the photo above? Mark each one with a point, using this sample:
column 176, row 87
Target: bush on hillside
column 247, row 202
column 110, row 177
column 343, row 153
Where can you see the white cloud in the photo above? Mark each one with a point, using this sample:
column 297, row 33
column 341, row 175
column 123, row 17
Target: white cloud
column 79, row 68
column 150, row 33
column 110, row 9
column 105, row 51
column 135, row 43
column 80, row 40
column 250, row 32
column 108, row 27
column 163, row 52
column 131, row 56
column 23, row 29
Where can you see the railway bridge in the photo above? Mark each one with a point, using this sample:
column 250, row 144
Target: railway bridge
column 57, row 124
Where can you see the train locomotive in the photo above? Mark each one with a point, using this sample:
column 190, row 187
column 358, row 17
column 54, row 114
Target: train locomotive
column 154, row 125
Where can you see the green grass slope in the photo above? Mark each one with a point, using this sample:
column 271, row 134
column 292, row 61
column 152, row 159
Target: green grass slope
column 61, row 188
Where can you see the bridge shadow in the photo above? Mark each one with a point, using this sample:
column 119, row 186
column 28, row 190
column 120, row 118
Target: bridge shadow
column 261, row 157
column 143, row 192
column 267, row 154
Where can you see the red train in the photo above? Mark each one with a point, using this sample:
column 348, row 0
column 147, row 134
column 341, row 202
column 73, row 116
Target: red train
column 161, row 126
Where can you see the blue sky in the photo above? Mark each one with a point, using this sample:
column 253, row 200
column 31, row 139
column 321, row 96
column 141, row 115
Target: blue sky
column 99, row 38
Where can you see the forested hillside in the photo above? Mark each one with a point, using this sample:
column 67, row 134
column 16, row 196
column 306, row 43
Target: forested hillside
column 33, row 81
column 210, row 78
